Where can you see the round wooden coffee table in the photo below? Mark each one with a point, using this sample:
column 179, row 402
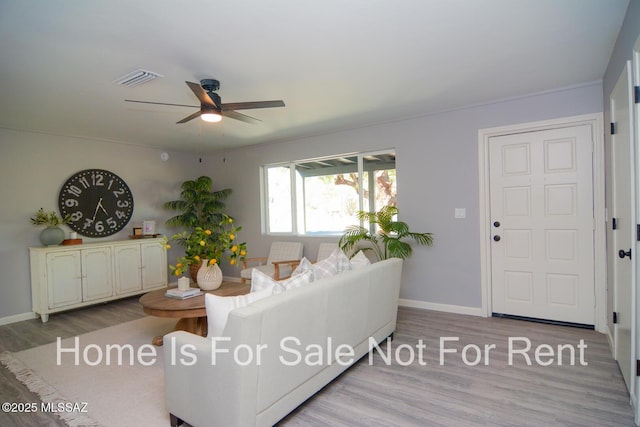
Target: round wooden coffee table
column 191, row 312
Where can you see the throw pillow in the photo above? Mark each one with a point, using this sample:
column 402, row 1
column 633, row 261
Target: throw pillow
column 261, row 281
column 359, row 260
column 336, row 263
column 218, row 308
column 327, row 267
column 305, row 265
column 342, row 261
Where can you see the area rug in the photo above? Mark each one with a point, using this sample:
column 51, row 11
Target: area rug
column 97, row 385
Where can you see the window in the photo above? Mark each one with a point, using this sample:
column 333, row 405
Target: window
column 321, row 196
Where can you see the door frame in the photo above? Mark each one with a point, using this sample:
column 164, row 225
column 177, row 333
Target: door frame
column 635, row 142
column 600, row 255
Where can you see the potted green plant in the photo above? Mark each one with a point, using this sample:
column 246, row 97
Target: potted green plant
column 209, row 233
column 52, row 235
column 387, row 242
column 198, row 205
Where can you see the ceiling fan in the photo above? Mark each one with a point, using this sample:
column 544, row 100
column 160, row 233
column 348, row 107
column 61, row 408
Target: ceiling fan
column 211, row 107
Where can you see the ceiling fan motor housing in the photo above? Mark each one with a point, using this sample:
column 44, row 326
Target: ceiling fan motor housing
column 216, row 100
column 210, row 85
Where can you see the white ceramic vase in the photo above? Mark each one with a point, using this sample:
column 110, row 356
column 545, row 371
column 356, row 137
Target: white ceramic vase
column 209, row 276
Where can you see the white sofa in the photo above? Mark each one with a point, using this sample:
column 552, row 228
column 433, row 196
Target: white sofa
column 348, row 308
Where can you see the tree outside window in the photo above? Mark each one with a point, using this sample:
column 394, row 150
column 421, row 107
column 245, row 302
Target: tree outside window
column 328, row 192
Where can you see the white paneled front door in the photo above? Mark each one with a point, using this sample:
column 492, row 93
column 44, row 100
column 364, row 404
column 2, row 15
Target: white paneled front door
column 542, row 222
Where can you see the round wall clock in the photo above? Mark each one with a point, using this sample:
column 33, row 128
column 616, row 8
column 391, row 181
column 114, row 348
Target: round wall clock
column 100, row 202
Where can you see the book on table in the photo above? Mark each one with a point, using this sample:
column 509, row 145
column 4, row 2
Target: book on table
column 177, row 293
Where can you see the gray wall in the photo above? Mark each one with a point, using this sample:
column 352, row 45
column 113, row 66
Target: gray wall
column 627, row 38
column 34, row 166
column 437, row 170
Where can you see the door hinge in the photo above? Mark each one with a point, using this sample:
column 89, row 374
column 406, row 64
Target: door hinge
column 637, row 232
column 636, row 94
column 614, row 223
column 637, row 368
column 613, row 128
column 615, row 317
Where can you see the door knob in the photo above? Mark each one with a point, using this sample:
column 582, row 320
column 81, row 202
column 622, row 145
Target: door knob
column 496, row 238
column 496, row 224
column 622, row 253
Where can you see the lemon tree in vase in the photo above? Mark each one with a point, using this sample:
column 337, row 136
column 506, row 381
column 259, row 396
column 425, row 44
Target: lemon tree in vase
column 210, row 234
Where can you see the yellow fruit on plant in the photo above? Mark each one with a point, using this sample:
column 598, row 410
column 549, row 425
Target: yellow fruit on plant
column 202, row 243
column 207, row 232
column 231, row 237
column 167, row 246
column 234, row 248
column 178, row 273
column 232, row 262
column 197, row 258
column 243, row 253
column 212, row 261
column 178, row 265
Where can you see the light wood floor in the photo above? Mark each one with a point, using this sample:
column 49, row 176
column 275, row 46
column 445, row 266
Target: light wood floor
column 377, row 394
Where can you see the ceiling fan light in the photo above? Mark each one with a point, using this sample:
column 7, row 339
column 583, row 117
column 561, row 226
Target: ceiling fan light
column 211, row 117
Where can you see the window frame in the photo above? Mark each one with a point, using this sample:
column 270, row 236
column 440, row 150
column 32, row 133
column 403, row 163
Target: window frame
column 294, row 191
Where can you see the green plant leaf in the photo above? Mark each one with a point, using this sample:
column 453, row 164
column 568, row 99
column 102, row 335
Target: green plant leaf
column 388, row 242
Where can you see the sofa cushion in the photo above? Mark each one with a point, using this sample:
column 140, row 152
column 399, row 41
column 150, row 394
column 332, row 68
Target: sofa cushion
column 218, row 308
column 260, row 281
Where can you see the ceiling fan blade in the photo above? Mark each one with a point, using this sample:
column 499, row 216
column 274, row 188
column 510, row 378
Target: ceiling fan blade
column 201, row 94
column 251, row 105
column 240, row 116
column 161, row 103
column 191, row 117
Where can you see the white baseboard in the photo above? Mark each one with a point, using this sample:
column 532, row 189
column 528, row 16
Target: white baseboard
column 612, row 344
column 458, row 309
column 17, row 318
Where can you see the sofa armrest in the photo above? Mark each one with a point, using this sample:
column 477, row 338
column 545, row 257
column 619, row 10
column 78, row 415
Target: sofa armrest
column 203, row 384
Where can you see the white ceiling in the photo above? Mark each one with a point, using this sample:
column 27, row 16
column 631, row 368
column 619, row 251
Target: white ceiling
column 337, row 64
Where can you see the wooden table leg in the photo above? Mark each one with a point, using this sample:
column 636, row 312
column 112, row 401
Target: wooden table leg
column 194, row 325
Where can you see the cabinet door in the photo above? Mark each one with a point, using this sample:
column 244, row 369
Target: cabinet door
column 64, row 278
column 127, row 270
column 154, row 265
column 97, row 273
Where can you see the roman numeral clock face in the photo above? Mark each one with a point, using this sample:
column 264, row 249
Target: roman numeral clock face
column 100, row 202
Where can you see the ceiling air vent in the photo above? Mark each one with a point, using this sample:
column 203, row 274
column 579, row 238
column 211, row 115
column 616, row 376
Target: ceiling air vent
column 137, row 77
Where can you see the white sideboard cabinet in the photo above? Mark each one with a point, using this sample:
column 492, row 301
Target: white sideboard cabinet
column 66, row 277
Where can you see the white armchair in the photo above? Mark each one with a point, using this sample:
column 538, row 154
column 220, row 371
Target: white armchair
column 282, row 258
column 325, row 249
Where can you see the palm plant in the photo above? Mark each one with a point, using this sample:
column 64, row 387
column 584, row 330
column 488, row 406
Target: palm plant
column 387, row 242
column 198, row 205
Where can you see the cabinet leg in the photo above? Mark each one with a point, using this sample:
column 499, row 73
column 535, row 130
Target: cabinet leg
column 44, row 318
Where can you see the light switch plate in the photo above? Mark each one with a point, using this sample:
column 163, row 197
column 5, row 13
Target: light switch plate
column 460, row 213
